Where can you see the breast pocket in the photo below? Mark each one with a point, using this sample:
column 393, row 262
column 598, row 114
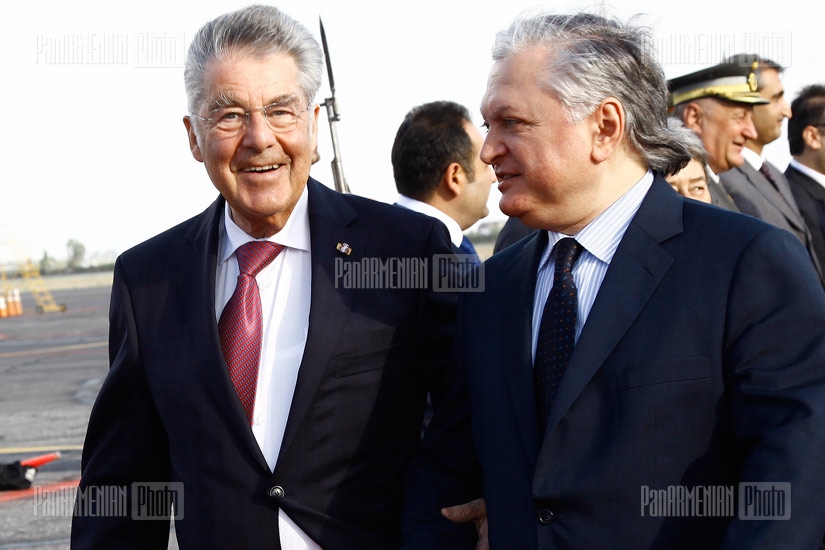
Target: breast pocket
column 681, row 369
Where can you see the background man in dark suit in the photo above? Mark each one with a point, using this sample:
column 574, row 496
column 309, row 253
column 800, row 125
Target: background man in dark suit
column 296, row 431
column 640, row 344
column 757, row 187
column 717, row 104
column 806, row 171
column 437, row 169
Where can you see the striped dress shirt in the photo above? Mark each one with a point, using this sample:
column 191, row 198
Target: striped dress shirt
column 600, row 239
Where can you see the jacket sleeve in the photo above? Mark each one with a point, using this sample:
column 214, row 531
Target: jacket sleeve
column 445, row 471
column 775, row 373
column 125, row 445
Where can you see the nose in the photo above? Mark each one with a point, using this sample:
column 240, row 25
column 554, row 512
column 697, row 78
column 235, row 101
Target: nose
column 748, row 129
column 256, row 133
column 491, row 149
column 786, row 109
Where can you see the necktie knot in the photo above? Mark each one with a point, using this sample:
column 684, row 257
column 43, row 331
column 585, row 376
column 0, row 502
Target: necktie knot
column 567, row 251
column 765, row 171
column 255, row 255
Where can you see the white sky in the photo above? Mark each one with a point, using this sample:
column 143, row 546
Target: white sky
column 94, row 147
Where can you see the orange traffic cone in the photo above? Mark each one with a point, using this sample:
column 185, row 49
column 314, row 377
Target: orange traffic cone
column 38, row 461
column 18, row 302
column 4, row 310
column 11, row 309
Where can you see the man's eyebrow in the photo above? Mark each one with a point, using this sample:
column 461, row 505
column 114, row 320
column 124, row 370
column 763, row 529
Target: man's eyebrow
column 283, row 99
column 223, row 99
column 228, row 99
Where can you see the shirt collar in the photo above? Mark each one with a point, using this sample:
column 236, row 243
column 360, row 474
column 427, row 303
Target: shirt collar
column 294, row 234
column 818, row 177
column 601, row 237
column 753, row 158
column 456, row 234
column 711, row 174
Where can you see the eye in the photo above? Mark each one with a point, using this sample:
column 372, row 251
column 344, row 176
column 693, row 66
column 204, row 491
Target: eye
column 279, row 111
column 697, row 190
column 510, row 122
column 227, row 115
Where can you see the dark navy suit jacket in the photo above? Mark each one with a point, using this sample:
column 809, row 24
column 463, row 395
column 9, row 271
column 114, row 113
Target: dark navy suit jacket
column 167, row 410
column 701, row 363
column 810, row 197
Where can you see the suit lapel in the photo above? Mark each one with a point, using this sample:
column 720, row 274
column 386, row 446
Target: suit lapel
column 196, row 284
column 814, row 189
column 634, row 273
column 517, row 352
column 768, row 192
column 329, row 217
column 785, row 191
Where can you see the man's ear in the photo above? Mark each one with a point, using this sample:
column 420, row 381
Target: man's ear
column 692, row 117
column 193, row 139
column 453, row 180
column 812, row 138
column 609, row 119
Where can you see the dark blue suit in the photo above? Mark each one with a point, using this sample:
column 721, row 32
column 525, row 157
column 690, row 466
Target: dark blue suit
column 702, row 362
column 168, row 412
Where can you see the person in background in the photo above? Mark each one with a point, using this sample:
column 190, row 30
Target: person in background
column 437, row 169
column 757, row 187
column 691, row 181
column 262, row 368
column 806, row 171
column 638, row 343
column 717, row 104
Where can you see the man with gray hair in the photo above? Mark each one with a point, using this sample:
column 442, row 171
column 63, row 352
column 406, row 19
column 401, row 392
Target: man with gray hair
column 268, row 376
column 642, row 357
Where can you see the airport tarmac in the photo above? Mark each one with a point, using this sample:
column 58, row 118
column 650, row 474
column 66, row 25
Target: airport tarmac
column 51, row 368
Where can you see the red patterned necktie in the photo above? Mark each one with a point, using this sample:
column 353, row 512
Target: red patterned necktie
column 241, row 324
column 557, row 331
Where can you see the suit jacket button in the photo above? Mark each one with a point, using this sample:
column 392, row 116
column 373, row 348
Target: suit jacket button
column 546, row 517
column 276, row 491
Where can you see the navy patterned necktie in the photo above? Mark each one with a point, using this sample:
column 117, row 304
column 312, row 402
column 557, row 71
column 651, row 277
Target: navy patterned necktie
column 241, row 324
column 765, row 171
column 557, row 331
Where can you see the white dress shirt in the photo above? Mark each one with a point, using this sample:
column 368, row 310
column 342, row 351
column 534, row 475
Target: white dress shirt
column 600, row 239
column 285, row 288
column 456, row 234
column 753, row 158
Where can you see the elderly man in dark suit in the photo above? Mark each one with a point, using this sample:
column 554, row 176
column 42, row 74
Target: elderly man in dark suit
column 643, row 357
column 806, row 171
column 757, row 187
column 270, row 357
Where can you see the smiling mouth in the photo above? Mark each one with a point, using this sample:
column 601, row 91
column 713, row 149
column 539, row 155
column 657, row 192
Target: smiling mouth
column 266, row 168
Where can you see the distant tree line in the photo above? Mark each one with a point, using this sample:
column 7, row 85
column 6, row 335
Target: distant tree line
column 75, row 261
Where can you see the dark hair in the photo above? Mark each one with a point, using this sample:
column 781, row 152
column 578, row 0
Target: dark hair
column 431, row 137
column 808, row 110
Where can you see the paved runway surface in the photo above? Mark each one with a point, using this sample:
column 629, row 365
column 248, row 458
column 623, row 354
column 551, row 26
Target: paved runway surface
column 51, row 367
